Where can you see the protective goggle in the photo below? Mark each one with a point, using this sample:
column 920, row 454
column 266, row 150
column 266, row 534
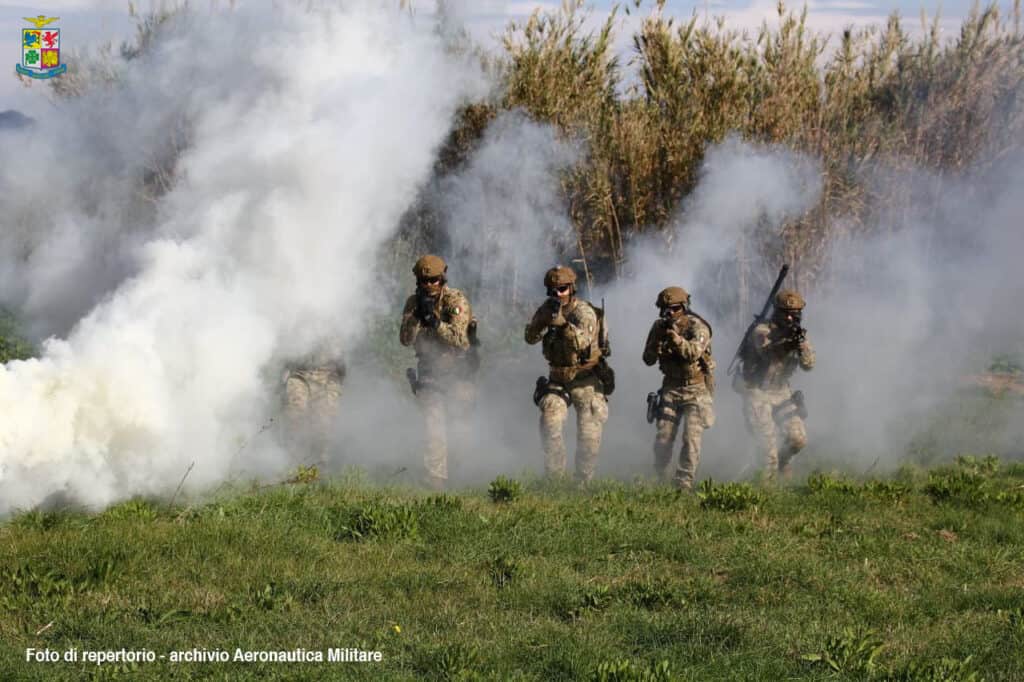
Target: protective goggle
column 552, row 291
column 674, row 308
column 431, row 280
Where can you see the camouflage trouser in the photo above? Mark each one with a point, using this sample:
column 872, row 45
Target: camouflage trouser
column 689, row 408
column 311, row 405
column 591, row 414
column 764, row 427
column 445, row 408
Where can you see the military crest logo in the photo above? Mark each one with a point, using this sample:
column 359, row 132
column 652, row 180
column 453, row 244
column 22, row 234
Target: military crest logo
column 40, row 49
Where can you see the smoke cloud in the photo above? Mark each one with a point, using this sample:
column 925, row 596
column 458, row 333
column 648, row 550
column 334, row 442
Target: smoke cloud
column 297, row 167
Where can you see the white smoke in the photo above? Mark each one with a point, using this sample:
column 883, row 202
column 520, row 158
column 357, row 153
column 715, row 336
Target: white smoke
column 504, row 211
column 309, row 133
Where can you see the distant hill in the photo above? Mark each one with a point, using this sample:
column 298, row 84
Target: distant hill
column 14, row 119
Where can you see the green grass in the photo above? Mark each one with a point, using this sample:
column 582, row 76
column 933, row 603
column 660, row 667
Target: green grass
column 914, row 578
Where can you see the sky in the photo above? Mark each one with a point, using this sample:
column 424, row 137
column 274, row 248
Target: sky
column 85, row 23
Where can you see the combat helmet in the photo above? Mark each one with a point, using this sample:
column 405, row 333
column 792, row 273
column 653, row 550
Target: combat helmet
column 429, row 266
column 559, row 276
column 789, row 299
column 673, row 296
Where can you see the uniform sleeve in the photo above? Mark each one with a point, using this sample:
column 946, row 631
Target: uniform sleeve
column 454, row 330
column 693, row 342
column 581, row 333
column 653, row 341
column 806, row 353
column 537, row 325
column 410, row 325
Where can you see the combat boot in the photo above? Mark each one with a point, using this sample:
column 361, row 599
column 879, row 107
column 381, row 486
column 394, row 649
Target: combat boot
column 683, row 484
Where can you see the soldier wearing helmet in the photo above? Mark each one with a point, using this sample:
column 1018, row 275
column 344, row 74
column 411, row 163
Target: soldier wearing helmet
column 772, row 353
column 680, row 342
column 574, row 342
column 437, row 322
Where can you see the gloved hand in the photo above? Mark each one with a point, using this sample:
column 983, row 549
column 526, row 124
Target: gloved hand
column 425, row 306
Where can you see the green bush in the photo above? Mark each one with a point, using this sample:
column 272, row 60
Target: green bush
column 379, row 520
column 727, row 496
column 504, row 489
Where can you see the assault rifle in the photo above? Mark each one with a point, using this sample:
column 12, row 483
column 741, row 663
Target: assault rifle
column 758, row 319
column 425, row 309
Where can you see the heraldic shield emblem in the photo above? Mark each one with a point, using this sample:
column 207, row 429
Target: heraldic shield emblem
column 40, row 49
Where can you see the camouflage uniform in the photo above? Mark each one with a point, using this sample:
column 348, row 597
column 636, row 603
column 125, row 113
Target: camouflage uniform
column 445, row 391
column 572, row 348
column 768, row 406
column 312, row 389
column 682, row 349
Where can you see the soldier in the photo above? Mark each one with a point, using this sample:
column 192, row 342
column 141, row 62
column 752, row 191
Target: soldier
column 312, row 390
column 437, row 321
column 680, row 342
column 575, row 345
column 772, row 353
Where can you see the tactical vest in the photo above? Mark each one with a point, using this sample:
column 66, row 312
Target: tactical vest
column 767, row 370
column 566, row 363
column 436, row 359
column 702, row 370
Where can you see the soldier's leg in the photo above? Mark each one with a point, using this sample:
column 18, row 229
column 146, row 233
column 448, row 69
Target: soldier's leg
column 795, row 436
column 665, row 438
column 435, row 453
column 758, row 413
column 325, row 394
column 461, row 402
column 591, row 414
column 698, row 415
column 689, row 455
column 553, row 412
column 296, row 395
column 296, row 404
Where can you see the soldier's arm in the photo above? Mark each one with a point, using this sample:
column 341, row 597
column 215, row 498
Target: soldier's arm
column 653, row 341
column 536, row 327
column 581, row 332
column 806, row 354
column 410, row 324
column 691, row 346
column 760, row 341
column 455, row 331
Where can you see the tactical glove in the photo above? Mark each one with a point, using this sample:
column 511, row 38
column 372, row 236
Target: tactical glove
column 430, row 320
column 554, row 308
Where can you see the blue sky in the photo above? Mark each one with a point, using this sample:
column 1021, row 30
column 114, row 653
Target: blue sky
column 85, row 22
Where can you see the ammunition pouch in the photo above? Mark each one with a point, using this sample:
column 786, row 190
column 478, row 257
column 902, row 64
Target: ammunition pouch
column 794, row 406
column 546, row 386
column 606, row 375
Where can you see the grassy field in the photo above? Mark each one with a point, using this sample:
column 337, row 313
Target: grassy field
column 917, row 577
